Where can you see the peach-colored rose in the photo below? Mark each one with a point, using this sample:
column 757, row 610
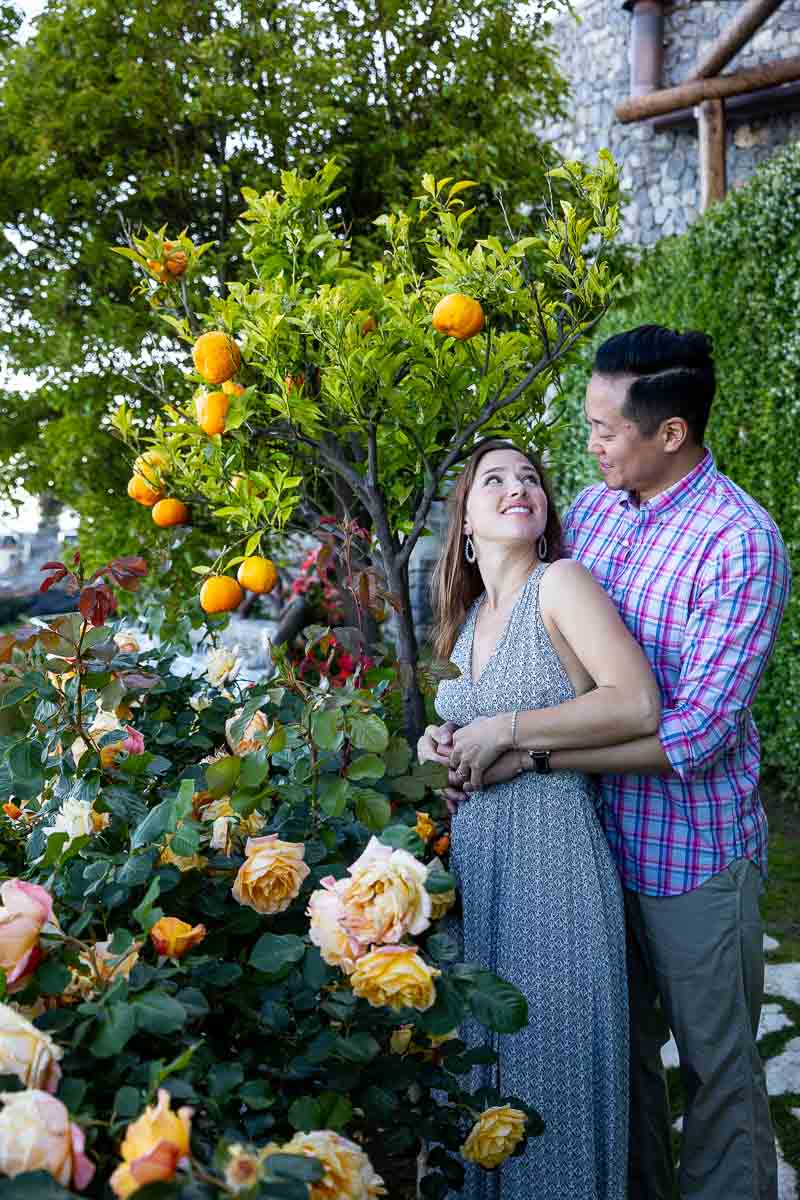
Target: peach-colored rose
column 272, row 874
column 36, row 1134
column 425, row 827
column 102, row 969
column 349, row 1174
column 335, row 945
column 494, row 1136
column 395, row 977
column 134, row 742
column 184, row 862
column 12, row 811
column 247, row 744
column 385, row 898
column 155, row 1144
column 243, row 1168
column 174, row 937
column 126, row 642
column 28, row 1052
column 26, row 908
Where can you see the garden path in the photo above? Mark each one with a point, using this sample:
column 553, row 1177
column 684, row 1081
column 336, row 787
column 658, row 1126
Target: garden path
column 779, row 1039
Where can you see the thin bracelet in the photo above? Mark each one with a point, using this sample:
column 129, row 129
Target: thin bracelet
column 514, row 719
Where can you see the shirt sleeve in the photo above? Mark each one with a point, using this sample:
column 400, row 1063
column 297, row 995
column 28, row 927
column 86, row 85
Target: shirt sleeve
column 726, row 646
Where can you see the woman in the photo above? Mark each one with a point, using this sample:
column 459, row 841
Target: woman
column 544, row 657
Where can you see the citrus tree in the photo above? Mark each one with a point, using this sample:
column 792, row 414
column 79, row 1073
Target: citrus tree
column 323, row 376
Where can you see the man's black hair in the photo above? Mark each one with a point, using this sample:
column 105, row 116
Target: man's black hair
column 675, row 376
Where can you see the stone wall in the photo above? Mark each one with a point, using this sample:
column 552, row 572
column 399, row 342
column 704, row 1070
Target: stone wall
column 660, row 169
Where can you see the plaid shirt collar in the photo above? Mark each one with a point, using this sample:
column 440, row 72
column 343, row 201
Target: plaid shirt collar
column 685, row 491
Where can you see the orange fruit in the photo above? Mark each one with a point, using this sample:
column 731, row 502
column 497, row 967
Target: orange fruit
column 369, row 326
column 170, row 512
column 157, row 269
column 211, row 410
column 247, row 485
column 140, row 491
column 257, row 574
column 216, row 356
column 458, row 316
column 232, row 389
column 220, row 593
column 150, row 465
column 176, row 261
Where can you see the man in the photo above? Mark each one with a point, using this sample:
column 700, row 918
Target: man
column 699, row 573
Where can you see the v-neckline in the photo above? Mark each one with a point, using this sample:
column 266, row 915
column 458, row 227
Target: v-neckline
column 503, row 635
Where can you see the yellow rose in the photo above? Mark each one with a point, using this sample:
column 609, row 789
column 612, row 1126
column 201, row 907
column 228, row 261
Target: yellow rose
column 494, row 1136
column 395, row 977
column 154, row 1146
column 102, row 970
column 247, row 744
column 174, row 937
column 425, row 827
column 27, row 1052
column 272, row 874
column 385, row 897
column 243, row 1168
column 401, row 1039
column 36, row 1134
column 441, row 902
column 325, row 908
column 184, row 862
column 349, row 1174
column 25, row 909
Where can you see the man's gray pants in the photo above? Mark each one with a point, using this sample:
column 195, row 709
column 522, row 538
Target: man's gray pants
column 696, row 966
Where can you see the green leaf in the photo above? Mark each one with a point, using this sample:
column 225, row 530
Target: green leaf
column 223, row 775
column 408, row 786
column 397, row 756
column 448, row 1011
column 53, row 978
column 335, row 1110
column 442, row 949
column 368, row 732
column 402, row 837
column 276, row 954
column 359, row 1048
column 25, row 762
column 128, row 1102
column 223, row 1078
column 305, row 1114
column 156, row 1012
column 333, row 793
column 255, row 768
column 256, row 1095
column 497, row 1004
column 34, row 1185
column 366, row 766
column 296, row 1166
column 55, row 845
column 326, row 728
column 159, row 820
column 145, row 914
column 117, row 1027
column 372, row 809
column 439, row 881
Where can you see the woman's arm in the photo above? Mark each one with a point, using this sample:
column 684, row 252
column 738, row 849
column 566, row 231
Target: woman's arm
column 624, row 704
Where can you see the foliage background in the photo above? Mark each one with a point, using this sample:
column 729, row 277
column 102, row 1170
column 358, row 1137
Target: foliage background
column 734, row 275
column 128, row 114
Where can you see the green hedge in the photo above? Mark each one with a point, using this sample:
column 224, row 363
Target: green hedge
column 736, row 275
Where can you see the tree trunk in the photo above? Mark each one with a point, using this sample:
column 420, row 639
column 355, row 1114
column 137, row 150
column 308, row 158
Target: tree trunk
column 408, row 654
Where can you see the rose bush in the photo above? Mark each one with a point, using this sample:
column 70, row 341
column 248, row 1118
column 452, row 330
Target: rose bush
column 225, row 936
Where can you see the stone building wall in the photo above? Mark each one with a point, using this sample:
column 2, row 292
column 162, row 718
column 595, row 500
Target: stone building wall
column 660, row 169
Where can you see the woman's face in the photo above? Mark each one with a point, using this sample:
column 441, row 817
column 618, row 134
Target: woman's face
column 506, row 503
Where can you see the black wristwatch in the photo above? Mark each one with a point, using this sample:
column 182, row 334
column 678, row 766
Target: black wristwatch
column 541, row 761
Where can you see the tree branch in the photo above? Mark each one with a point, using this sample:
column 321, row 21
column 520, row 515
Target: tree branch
column 495, row 405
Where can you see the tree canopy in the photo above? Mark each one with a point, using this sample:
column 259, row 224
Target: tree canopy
column 128, row 115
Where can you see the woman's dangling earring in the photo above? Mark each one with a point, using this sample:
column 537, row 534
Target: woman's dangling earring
column 541, row 547
column 469, row 549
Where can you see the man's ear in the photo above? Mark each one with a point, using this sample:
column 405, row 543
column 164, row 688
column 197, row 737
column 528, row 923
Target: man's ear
column 674, row 434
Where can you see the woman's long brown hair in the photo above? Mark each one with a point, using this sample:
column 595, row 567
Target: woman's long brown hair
column 456, row 582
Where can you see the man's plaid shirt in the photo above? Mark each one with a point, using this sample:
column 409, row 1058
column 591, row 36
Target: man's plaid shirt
column 701, row 579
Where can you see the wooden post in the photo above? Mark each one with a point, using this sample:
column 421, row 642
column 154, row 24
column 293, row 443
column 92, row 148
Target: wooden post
column 785, row 70
column 750, row 17
column 711, row 146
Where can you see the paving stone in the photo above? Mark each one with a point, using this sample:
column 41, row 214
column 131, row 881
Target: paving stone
column 783, row 1071
column 783, row 979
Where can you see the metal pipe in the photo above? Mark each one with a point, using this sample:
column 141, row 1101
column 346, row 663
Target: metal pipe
column 646, row 46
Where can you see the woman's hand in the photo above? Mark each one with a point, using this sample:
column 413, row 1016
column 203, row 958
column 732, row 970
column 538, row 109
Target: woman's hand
column 435, row 745
column 477, row 745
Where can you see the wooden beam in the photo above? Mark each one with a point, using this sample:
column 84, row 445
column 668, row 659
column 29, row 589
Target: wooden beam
column 711, row 146
column 636, row 108
column 750, row 17
column 765, row 102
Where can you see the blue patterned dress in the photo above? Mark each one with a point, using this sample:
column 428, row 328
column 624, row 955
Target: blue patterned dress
column 542, row 908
